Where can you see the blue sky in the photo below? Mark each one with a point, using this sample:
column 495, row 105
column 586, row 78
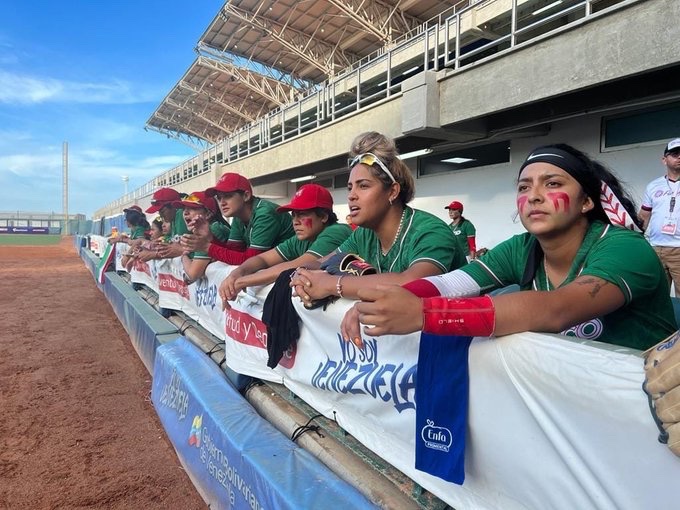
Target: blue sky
column 90, row 73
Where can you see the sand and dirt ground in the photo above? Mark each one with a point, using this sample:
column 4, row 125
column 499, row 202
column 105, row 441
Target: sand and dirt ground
column 77, row 426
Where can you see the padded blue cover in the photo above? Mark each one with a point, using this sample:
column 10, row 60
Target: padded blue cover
column 143, row 324
column 234, row 457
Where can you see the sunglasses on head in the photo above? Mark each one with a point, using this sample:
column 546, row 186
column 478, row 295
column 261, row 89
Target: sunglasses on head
column 369, row 159
column 193, row 199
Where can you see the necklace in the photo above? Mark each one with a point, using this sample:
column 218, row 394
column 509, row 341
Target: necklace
column 396, row 236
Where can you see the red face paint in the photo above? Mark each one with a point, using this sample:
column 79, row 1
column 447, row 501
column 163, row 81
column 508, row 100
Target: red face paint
column 521, row 202
column 556, row 197
column 306, row 222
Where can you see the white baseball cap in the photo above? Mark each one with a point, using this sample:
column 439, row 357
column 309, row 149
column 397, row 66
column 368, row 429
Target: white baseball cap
column 672, row 145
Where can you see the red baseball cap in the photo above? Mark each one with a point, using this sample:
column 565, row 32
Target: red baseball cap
column 197, row 200
column 161, row 197
column 134, row 208
column 309, row 196
column 228, row 183
column 455, row 205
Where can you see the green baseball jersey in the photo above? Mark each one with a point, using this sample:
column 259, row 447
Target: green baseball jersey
column 615, row 254
column 179, row 227
column 137, row 232
column 461, row 232
column 423, row 238
column 220, row 230
column 266, row 228
column 328, row 240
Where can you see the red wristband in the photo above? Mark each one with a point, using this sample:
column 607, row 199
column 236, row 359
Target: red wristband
column 459, row 316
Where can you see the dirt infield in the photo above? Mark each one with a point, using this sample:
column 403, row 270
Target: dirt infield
column 78, row 427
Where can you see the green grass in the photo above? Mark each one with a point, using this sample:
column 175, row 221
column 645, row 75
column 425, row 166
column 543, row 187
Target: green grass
column 29, row 239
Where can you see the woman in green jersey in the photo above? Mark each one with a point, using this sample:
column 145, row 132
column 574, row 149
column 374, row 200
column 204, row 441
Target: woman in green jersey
column 584, row 269
column 401, row 243
column 196, row 207
column 317, row 233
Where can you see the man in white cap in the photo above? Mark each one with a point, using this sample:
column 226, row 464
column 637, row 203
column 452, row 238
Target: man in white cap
column 660, row 213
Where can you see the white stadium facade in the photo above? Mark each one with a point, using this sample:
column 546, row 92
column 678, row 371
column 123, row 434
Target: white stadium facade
column 279, row 88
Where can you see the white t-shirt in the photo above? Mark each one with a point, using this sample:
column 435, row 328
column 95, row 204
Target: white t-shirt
column 664, row 224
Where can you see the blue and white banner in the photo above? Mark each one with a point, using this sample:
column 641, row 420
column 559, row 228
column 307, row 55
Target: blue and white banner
column 235, row 458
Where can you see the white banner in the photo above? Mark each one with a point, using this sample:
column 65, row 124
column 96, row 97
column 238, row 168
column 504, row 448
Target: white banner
column 145, row 273
column 553, row 423
column 121, row 249
column 98, row 244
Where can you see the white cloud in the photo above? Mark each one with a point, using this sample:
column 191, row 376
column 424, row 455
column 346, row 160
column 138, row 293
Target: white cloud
column 25, row 89
column 95, row 177
column 26, row 165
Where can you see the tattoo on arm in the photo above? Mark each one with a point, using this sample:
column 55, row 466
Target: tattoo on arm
column 596, row 285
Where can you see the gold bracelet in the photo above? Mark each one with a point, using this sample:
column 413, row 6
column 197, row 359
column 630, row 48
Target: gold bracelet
column 338, row 285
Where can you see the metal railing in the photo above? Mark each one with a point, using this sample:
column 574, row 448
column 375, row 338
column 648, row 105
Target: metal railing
column 437, row 44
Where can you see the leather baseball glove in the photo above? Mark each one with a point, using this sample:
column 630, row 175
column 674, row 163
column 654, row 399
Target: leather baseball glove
column 347, row 263
column 339, row 264
column 662, row 385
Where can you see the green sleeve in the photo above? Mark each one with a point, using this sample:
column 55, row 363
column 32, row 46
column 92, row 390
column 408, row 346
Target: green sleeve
column 432, row 241
column 625, row 259
column 237, row 231
column 268, row 226
column 292, row 248
column 197, row 255
column 329, row 239
column 351, row 244
column 469, row 229
column 502, row 265
column 179, row 227
column 220, row 230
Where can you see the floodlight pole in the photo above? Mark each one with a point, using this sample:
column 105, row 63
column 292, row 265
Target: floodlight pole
column 64, row 164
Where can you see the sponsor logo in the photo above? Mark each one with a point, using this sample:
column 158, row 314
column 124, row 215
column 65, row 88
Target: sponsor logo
column 195, row 433
column 436, row 438
column 174, row 396
column 170, row 283
column 662, row 193
column 246, row 329
column 206, row 294
column 589, row 330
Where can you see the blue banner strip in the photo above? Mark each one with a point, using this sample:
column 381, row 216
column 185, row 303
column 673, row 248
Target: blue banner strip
column 235, row 458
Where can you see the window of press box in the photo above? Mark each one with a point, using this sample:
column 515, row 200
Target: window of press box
column 641, row 127
column 340, row 181
column 326, row 182
column 463, row 159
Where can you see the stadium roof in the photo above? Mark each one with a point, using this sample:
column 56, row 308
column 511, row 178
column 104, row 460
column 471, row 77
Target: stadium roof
column 259, row 54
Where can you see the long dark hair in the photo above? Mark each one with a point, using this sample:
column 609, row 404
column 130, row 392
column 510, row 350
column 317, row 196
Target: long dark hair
column 137, row 219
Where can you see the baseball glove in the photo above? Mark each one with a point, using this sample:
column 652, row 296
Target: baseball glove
column 347, row 263
column 339, row 264
column 662, row 385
